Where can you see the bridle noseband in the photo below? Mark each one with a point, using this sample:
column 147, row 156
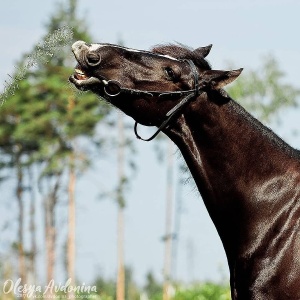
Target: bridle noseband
column 113, row 88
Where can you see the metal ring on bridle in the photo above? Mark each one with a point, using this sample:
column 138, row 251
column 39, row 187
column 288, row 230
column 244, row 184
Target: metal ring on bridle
column 112, row 88
column 93, row 56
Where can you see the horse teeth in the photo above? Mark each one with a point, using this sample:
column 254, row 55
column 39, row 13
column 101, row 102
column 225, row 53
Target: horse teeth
column 78, row 71
column 80, row 75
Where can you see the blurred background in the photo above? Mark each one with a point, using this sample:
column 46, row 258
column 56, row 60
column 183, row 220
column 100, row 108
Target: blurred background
column 81, row 198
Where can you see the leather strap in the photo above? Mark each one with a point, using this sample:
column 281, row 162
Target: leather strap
column 169, row 116
column 113, row 88
column 192, row 94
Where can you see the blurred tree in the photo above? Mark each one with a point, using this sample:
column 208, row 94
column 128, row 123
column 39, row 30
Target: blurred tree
column 76, row 124
column 168, row 237
column 108, row 287
column 205, row 291
column 16, row 154
column 6, row 272
column 71, row 120
column 132, row 291
column 152, row 287
column 43, row 123
column 105, row 288
column 121, row 205
column 263, row 92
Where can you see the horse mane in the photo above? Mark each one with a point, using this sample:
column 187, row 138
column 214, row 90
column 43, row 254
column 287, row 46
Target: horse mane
column 180, row 51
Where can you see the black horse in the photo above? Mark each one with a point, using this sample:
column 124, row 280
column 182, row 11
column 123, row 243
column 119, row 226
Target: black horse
column 248, row 177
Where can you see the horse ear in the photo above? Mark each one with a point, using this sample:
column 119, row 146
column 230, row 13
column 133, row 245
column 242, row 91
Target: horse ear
column 203, row 51
column 218, row 79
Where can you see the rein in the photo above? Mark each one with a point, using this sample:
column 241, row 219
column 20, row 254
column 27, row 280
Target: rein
column 113, row 88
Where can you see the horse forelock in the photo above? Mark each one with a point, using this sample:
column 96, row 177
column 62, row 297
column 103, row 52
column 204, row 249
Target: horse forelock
column 180, row 51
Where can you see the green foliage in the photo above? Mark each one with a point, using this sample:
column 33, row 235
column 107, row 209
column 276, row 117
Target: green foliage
column 120, row 196
column 105, row 288
column 263, row 92
column 45, row 115
column 206, row 291
column 153, row 288
column 132, row 292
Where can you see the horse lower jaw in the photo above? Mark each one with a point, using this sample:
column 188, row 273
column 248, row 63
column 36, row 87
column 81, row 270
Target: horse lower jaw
column 83, row 82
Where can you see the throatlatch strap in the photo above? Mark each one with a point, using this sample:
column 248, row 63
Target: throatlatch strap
column 193, row 94
column 170, row 115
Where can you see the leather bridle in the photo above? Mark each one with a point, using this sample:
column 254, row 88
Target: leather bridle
column 113, row 88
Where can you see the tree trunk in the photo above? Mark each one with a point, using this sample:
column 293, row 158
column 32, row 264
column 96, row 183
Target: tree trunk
column 168, row 236
column 32, row 227
column 177, row 224
column 121, row 204
column 50, row 230
column 19, row 194
column 121, row 269
column 71, row 225
column 7, row 274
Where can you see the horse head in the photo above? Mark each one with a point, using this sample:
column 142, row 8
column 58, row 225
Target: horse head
column 147, row 85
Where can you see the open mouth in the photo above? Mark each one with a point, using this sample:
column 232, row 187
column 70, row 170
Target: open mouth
column 81, row 78
column 82, row 81
column 80, row 75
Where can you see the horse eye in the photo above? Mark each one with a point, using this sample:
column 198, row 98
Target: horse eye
column 93, row 59
column 170, row 72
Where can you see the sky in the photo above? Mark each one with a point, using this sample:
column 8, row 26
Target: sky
column 242, row 33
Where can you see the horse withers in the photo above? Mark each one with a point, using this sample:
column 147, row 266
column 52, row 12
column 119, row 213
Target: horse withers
column 247, row 176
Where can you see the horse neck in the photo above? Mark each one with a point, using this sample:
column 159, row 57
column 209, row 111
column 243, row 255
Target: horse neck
column 233, row 159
